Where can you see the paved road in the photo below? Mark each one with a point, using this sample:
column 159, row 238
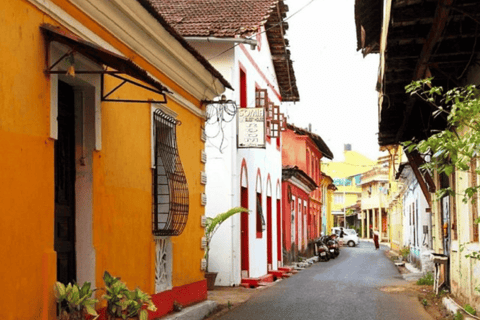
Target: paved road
column 347, row 287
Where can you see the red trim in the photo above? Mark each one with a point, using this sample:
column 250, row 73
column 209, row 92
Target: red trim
column 185, row 295
column 244, row 165
column 254, row 64
column 244, row 235
column 243, row 85
column 269, row 231
column 279, row 230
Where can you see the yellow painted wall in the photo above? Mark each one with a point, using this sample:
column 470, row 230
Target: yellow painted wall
column 122, row 176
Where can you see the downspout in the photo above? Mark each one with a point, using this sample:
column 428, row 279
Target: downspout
column 251, row 42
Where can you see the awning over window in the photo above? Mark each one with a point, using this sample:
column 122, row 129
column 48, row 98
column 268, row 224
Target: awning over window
column 102, row 57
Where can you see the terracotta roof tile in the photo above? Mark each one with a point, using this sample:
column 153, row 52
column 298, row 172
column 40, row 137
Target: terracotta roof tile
column 234, row 18
column 215, row 18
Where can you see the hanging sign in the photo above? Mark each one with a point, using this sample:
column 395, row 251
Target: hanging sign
column 251, row 128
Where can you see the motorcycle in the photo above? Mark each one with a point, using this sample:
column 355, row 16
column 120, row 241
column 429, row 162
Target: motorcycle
column 322, row 250
column 331, row 246
column 336, row 245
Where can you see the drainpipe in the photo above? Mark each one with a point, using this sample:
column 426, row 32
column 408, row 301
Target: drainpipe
column 251, row 42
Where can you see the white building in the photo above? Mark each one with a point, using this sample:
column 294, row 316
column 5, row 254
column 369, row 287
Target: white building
column 417, row 220
column 248, row 47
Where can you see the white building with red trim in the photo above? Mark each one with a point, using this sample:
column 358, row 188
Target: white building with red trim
column 250, row 52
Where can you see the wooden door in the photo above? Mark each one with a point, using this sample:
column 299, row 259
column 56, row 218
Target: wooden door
column 64, row 238
column 244, row 233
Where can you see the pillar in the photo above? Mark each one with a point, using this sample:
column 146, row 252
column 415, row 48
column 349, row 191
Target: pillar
column 368, row 223
column 364, row 213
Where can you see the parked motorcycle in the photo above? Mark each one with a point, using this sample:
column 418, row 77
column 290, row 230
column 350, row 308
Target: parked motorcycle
column 336, row 245
column 331, row 245
column 322, row 250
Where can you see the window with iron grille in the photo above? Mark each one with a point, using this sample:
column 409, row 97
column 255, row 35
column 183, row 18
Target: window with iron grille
column 170, row 189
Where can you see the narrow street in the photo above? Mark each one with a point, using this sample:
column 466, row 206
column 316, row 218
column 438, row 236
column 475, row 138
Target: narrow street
column 348, row 287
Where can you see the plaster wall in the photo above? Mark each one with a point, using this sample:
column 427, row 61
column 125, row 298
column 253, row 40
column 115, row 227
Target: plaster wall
column 225, row 161
column 115, row 194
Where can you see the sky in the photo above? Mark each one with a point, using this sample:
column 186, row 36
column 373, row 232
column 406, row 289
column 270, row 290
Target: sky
column 336, row 84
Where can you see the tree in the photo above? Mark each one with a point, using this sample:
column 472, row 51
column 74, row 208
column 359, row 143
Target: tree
column 459, row 144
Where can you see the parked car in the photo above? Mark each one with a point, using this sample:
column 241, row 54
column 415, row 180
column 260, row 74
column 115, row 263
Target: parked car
column 350, row 236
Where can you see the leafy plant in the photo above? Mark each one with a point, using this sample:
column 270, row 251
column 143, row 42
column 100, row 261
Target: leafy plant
column 405, row 252
column 454, row 148
column 470, row 309
column 425, row 302
column 74, row 302
column 125, row 304
column 427, row 279
column 212, row 225
column 458, row 316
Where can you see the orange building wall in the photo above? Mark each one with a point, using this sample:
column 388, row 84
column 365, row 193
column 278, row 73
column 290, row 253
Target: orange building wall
column 121, row 170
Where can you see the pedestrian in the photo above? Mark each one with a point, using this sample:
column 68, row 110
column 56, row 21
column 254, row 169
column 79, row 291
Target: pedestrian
column 375, row 239
column 341, row 232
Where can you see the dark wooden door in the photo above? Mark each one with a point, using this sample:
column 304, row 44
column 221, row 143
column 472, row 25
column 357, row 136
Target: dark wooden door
column 65, row 186
column 244, row 247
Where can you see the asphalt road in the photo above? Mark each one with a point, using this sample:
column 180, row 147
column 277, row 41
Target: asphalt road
column 347, row 287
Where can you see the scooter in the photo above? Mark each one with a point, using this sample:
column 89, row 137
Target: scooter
column 322, row 250
column 330, row 243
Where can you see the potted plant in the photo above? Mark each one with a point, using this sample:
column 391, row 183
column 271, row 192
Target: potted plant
column 123, row 303
column 74, row 302
column 211, row 226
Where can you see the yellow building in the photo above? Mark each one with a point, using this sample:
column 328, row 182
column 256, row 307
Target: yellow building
column 327, row 190
column 346, row 177
column 79, row 151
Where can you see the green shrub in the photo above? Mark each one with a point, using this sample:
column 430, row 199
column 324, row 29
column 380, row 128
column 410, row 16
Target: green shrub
column 458, row 316
column 470, row 309
column 425, row 302
column 427, row 279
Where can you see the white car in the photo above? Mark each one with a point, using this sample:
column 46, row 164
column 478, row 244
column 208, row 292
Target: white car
column 350, row 236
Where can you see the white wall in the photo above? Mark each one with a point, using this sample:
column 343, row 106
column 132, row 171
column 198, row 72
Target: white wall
column 223, row 165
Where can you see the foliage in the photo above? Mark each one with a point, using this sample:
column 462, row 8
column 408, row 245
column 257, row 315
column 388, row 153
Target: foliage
column 427, row 279
column 425, row 302
column 74, row 302
column 454, row 148
column 125, row 304
column 405, row 252
column 470, row 309
column 458, row 316
column 212, row 225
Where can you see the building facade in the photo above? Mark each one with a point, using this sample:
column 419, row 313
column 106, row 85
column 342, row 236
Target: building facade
column 242, row 39
column 86, row 108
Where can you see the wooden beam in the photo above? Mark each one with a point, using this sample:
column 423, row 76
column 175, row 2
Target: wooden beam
column 420, row 179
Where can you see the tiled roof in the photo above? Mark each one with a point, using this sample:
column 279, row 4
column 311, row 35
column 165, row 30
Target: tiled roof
column 235, row 18
column 215, row 18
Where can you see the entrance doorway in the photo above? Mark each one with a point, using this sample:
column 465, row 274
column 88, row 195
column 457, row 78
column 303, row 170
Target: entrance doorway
column 244, row 233
column 64, row 238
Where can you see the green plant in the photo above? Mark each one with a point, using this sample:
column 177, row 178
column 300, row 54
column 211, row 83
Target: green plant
column 405, row 252
column 427, row 279
column 212, row 225
column 74, row 302
column 425, row 302
column 458, row 316
column 470, row 309
column 125, row 304
column 456, row 147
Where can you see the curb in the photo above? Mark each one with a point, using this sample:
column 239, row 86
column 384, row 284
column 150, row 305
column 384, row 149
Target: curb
column 195, row 312
column 453, row 308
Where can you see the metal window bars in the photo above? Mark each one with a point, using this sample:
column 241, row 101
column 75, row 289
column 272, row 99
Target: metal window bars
column 170, row 188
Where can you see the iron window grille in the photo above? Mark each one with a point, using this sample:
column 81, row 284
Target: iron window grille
column 170, row 188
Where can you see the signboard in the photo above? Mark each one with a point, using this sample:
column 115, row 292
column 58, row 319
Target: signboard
column 251, row 128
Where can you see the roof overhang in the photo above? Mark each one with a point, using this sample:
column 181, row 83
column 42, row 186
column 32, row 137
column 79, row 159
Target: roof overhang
column 104, row 58
column 424, row 39
column 299, row 178
column 321, row 145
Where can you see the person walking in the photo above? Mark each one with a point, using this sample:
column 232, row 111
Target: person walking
column 375, row 239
